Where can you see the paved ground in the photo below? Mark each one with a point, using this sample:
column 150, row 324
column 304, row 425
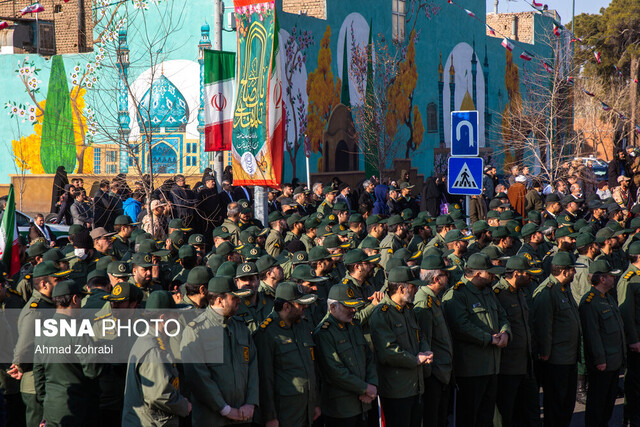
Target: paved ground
column 616, row 419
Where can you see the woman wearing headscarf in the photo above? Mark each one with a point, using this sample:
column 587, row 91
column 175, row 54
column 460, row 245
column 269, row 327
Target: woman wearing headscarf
column 64, row 213
column 380, row 205
column 59, row 182
column 200, row 184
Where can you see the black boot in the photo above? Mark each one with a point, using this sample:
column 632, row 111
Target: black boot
column 581, row 395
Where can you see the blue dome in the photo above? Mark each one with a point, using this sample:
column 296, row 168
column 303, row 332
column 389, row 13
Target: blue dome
column 205, row 27
column 164, row 106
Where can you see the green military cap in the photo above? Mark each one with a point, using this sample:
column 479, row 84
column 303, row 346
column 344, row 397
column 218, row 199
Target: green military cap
column 635, row 223
column 407, row 214
column 340, row 229
column 552, row 198
column 480, row 225
column 67, row 287
column 275, row 216
column 435, row 262
column 48, row 268
column 444, row 220
column 497, row 203
column 579, row 224
column 199, row 275
column 266, row 262
column 103, row 263
column 318, row 253
column 455, row 235
column 138, row 231
column 613, row 207
column 247, row 237
column 604, row 234
column 225, row 248
column 514, row 228
column 403, row 274
column 534, row 216
column 244, row 204
column 603, row 266
column 393, row 188
column 395, row 262
column 163, row 300
column 395, row 219
column 549, row 224
column 569, row 199
column 177, row 238
column 419, row 222
column 584, row 239
column 499, row 232
column 119, row 269
column 617, row 228
column 461, row 224
column 300, row 257
column 330, row 219
column 493, row 252
column 124, row 220
column 564, row 220
column 634, row 248
column 356, row 217
column 520, row 263
column 405, row 184
column 97, row 273
column 291, row 292
column 333, row 241
column 375, row 219
column 124, row 291
column 143, row 260
column 222, row 232
column 457, row 215
column 403, row 253
column 247, row 269
column 252, row 252
column 358, row 255
column 226, row 285
column 300, row 189
column 150, row 246
column 565, row 259
column 328, row 189
column 141, row 237
column 214, row 261
column 596, row 204
column 340, row 207
column 509, row 215
column 196, row 239
column 370, row 242
column 304, row 273
column 433, row 251
column 481, row 261
column 227, row 269
column 311, row 222
column 179, row 224
column 294, row 218
column 325, row 229
column 75, row 229
column 493, row 215
column 187, row 251
column 37, row 249
column 53, row 254
column 566, row 231
column 529, row 229
column 344, row 295
column 588, row 229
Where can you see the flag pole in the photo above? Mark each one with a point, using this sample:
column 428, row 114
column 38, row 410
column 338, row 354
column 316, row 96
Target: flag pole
column 218, row 12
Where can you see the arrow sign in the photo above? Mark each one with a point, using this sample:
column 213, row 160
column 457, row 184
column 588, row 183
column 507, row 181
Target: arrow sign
column 465, row 176
column 464, row 133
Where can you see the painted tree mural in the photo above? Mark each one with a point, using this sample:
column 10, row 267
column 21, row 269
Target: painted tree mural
column 324, row 95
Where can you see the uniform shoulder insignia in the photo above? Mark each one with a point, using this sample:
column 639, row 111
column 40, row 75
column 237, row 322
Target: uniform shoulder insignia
column 528, row 256
column 14, row 291
column 102, row 317
column 326, row 325
column 28, row 276
column 191, row 324
column 266, row 322
column 429, row 301
column 34, row 305
column 496, row 290
column 385, row 307
column 457, row 286
column 345, row 281
column 629, row 275
column 590, row 297
column 160, row 343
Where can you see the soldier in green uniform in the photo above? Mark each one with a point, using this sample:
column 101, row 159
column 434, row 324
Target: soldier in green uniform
column 23, row 285
column 195, row 289
column 275, row 242
column 84, row 257
column 588, row 250
column 482, row 235
column 394, row 239
column 98, row 285
column 421, row 235
column 480, row 329
column 376, row 228
column 517, row 399
column 296, row 227
column 326, row 207
column 444, row 223
column 151, row 394
column 270, row 273
column 428, row 308
column 246, row 278
column 456, row 242
column 286, row 353
column 359, row 270
column 230, row 223
column 401, row 351
column 356, row 231
column 45, row 277
column 102, row 241
column 124, row 226
column 556, row 328
column 629, row 301
column 308, row 238
column 188, row 258
column 607, row 241
column 345, row 361
column 532, row 239
column 141, row 274
column 221, row 367
column 604, row 343
column 68, row 391
column 565, row 242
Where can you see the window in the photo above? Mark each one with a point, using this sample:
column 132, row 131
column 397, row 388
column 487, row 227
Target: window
column 398, row 19
column 432, row 118
column 188, row 149
column 97, row 162
column 194, row 162
column 188, row 158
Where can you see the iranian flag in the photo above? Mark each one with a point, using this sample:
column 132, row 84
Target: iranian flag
column 219, row 90
column 32, row 8
column 9, row 236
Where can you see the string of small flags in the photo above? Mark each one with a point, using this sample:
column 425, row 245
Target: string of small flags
column 558, row 29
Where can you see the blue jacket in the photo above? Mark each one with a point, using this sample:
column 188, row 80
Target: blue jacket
column 380, row 206
column 132, row 207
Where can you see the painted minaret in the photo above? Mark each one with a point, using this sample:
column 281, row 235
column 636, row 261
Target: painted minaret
column 124, row 120
column 440, row 101
column 205, row 43
column 474, row 72
column 452, row 86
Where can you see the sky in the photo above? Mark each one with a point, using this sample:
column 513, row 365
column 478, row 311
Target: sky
column 562, row 6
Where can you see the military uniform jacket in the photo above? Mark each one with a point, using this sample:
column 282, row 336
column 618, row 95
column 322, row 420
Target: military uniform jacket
column 69, row 391
column 363, row 292
column 347, row 367
column 556, row 322
column 308, row 243
column 266, row 295
column 81, row 268
column 388, row 246
column 233, row 229
column 527, row 251
column 119, row 247
column 397, row 340
column 580, row 284
column 629, row 301
column 26, row 332
column 247, row 313
column 603, row 330
column 516, row 356
column 274, row 243
column 473, row 316
column 417, row 244
column 437, row 241
column 455, row 275
column 436, row 333
column 232, row 382
column 287, row 369
column 289, row 236
column 325, row 208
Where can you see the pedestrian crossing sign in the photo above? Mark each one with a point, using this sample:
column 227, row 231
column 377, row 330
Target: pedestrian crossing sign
column 465, row 176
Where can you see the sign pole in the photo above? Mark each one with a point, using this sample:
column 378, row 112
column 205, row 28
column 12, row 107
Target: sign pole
column 260, row 204
column 218, row 12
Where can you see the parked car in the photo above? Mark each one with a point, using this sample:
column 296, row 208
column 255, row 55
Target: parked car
column 61, row 232
column 600, row 167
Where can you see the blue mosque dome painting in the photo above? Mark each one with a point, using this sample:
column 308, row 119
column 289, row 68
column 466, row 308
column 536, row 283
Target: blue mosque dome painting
column 163, row 106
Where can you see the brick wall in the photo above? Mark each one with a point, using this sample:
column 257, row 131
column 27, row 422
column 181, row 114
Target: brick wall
column 502, row 23
column 66, row 20
column 315, row 8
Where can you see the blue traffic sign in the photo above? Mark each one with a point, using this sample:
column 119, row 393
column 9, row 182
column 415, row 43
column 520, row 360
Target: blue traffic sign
column 465, row 176
column 464, row 133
